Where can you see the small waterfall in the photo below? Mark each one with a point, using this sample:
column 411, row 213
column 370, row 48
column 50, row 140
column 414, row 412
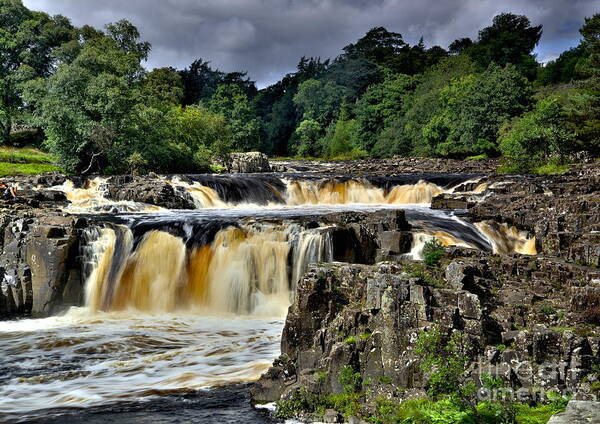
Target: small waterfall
column 91, row 198
column 507, row 240
column 311, row 247
column 248, row 270
column 332, row 192
column 204, row 197
column 419, row 193
column 359, row 191
column 423, row 237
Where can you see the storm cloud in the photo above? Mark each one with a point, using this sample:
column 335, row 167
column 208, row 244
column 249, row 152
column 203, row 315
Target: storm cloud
column 267, row 37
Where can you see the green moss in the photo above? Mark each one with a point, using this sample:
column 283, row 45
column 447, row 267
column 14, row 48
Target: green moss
column 366, row 335
column 562, row 329
column 350, row 340
column 539, row 414
column 501, row 347
column 217, row 169
column 384, row 379
column 547, row 310
column 551, row 169
column 322, row 376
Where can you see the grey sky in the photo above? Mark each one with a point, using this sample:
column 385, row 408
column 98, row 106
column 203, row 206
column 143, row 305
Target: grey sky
column 267, row 37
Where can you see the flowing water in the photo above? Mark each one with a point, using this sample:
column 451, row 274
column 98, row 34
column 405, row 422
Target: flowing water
column 183, row 306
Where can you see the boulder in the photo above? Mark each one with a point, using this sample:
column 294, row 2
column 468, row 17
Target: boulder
column 247, row 163
column 578, row 412
column 149, row 191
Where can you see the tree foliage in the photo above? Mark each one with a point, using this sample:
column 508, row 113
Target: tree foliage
column 100, row 110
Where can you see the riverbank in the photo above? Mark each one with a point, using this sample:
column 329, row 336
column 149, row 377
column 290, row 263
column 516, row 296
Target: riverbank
column 531, row 323
column 517, row 278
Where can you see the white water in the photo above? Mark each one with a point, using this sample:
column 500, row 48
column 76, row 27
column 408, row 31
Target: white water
column 83, row 359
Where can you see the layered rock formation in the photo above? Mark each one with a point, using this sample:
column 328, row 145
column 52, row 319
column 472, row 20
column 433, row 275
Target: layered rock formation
column 528, row 320
column 534, row 321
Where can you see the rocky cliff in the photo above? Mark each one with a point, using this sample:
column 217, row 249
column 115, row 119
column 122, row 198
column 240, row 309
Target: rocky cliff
column 533, row 322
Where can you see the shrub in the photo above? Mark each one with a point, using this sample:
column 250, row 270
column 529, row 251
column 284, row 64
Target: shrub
column 536, row 138
column 444, row 358
column 433, row 251
column 351, row 380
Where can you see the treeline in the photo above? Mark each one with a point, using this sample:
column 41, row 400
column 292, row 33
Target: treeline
column 99, row 110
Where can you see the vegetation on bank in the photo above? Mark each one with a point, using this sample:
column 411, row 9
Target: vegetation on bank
column 20, row 161
column 99, row 110
column 451, row 395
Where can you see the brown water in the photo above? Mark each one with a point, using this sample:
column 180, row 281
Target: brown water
column 167, row 319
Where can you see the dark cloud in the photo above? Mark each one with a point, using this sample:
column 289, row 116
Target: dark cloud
column 267, row 37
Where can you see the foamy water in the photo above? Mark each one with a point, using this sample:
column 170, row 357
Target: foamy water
column 82, row 360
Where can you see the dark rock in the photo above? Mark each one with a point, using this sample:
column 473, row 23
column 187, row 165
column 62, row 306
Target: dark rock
column 152, row 192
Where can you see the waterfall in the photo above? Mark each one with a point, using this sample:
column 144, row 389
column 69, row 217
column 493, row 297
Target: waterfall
column 423, row 237
column 507, row 240
column 204, row 197
column 252, row 269
column 92, row 198
column 358, row 191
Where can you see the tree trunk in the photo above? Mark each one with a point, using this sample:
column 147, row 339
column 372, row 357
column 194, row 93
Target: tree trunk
column 6, row 131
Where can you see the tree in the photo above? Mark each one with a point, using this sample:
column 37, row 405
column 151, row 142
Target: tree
column 200, row 82
column 459, row 45
column 378, row 45
column 403, row 134
column 379, row 106
column 585, row 107
column 538, row 135
column 28, row 41
column 473, row 110
column 309, row 133
column 85, row 108
column 568, row 67
column 162, row 87
column 231, row 102
column 319, row 101
column 343, row 138
column 510, row 39
column 127, row 38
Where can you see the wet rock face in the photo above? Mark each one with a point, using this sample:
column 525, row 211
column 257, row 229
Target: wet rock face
column 40, row 272
column 523, row 316
column 149, row 191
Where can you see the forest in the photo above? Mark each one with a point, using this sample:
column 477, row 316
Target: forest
column 83, row 95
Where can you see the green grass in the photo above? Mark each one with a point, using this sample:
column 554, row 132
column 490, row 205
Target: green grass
column 551, row 169
column 7, row 169
column 24, row 155
column 477, row 157
column 26, row 160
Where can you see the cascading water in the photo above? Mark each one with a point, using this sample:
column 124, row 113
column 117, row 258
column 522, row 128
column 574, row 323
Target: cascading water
column 243, row 271
column 182, row 300
column 91, row 198
column 506, row 240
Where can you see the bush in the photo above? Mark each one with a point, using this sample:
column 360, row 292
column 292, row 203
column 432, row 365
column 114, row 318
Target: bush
column 537, row 138
column 433, row 252
column 444, row 359
column 351, row 380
